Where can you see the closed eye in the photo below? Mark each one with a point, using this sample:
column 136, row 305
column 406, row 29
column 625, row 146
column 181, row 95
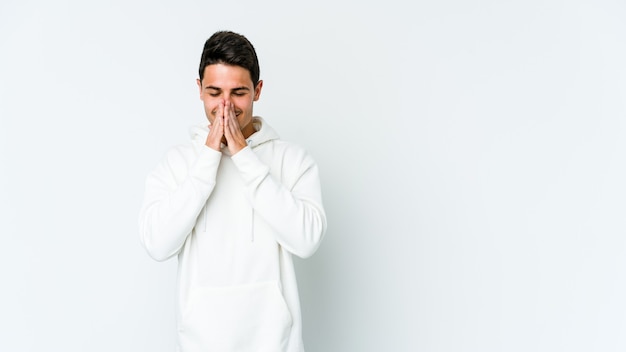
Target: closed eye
column 241, row 91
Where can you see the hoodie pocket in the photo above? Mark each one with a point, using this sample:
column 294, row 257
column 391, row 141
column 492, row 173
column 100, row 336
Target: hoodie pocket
column 251, row 317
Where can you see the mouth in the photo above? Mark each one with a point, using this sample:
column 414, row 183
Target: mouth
column 237, row 113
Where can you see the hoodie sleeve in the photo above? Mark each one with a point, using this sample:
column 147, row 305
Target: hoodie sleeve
column 175, row 193
column 292, row 208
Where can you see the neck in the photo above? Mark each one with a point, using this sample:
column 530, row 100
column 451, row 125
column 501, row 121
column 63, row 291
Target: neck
column 248, row 130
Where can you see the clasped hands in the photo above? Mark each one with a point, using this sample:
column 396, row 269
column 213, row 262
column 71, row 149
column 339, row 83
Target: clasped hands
column 225, row 129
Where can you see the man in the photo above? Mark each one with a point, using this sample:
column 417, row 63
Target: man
column 234, row 204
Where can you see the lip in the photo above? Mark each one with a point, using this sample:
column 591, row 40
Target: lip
column 237, row 113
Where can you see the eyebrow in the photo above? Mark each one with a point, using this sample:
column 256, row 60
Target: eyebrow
column 234, row 89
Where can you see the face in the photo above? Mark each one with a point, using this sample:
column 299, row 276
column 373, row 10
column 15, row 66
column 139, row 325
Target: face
column 231, row 84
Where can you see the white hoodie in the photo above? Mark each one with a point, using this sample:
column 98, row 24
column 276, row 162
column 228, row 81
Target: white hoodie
column 234, row 222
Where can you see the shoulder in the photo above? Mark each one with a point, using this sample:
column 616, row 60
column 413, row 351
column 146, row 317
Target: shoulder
column 178, row 159
column 290, row 162
column 180, row 153
column 292, row 152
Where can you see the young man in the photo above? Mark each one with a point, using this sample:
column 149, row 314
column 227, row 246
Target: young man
column 234, row 204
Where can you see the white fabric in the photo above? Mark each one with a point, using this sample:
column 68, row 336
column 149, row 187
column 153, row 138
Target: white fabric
column 234, row 222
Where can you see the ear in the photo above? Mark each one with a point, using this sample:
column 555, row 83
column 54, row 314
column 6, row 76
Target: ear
column 199, row 86
column 257, row 90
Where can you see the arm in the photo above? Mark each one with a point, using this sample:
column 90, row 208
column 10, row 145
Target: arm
column 173, row 199
column 294, row 211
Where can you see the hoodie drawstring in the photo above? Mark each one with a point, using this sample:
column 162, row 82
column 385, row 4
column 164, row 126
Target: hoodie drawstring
column 205, row 219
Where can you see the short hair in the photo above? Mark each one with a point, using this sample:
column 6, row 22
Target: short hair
column 229, row 48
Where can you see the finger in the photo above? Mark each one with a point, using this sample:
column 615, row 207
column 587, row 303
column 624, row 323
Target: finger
column 230, row 129
column 228, row 113
column 216, row 129
column 219, row 114
column 217, row 125
column 226, row 120
column 233, row 137
column 233, row 123
column 233, row 116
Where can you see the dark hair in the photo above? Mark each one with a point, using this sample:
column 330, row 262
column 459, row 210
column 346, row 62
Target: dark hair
column 226, row 47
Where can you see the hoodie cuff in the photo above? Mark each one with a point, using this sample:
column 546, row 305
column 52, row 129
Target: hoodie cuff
column 205, row 167
column 251, row 168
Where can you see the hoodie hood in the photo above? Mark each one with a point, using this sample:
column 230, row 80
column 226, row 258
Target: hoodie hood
column 264, row 133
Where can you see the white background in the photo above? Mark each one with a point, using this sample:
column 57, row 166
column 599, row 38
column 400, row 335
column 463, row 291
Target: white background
column 472, row 156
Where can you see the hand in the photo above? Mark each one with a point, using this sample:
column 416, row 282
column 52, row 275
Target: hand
column 234, row 138
column 216, row 130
